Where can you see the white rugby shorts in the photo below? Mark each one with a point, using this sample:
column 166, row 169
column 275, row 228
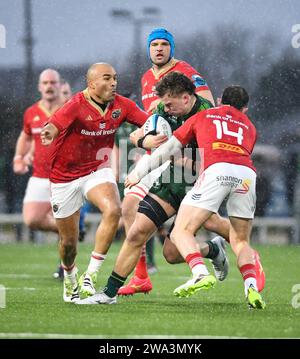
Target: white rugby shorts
column 225, row 180
column 37, row 190
column 67, row 198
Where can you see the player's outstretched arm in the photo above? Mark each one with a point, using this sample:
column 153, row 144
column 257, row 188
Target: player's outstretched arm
column 24, row 142
column 48, row 134
column 149, row 163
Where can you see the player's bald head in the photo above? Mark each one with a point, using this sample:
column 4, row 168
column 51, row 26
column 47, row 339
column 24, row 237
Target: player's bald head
column 49, row 74
column 97, row 70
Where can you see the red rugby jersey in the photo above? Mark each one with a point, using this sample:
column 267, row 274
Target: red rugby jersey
column 223, row 134
column 87, row 134
column 150, row 79
column 35, row 118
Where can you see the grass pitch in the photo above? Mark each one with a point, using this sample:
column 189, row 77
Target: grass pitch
column 35, row 309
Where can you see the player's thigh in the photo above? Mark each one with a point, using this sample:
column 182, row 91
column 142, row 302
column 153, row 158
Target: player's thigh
column 101, row 189
column 36, row 211
column 130, row 204
column 190, row 218
column 242, row 199
column 167, row 207
column 106, row 197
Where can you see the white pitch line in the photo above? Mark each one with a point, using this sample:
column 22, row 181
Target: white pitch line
column 19, row 288
column 101, row 336
column 23, row 276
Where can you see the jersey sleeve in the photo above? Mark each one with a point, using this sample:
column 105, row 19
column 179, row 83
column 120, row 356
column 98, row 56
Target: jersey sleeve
column 135, row 115
column 26, row 123
column 197, row 79
column 65, row 116
column 185, row 133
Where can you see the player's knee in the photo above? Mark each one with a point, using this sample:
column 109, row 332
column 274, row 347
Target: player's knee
column 136, row 241
column 137, row 236
column 32, row 223
column 112, row 213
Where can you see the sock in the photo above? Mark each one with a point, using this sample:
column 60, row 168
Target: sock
column 196, row 264
column 70, row 272
column 141, row 267
column 115, row 281
column 213, row 250
column 249, row 276
column 150, row 252
column 96, row 262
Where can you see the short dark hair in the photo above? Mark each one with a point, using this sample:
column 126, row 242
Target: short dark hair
column 176, row 83
column 235, row 96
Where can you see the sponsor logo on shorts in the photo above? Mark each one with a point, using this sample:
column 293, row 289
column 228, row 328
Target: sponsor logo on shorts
column 55, row 208
column 116, row 114
column 227, row 147
column 229, row 181
column 196, row 196
column 245, row 187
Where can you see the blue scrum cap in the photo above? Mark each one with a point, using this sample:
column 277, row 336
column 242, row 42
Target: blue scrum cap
column 161, row 33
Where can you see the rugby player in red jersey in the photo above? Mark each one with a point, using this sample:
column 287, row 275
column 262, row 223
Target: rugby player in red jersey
column 37, row 212
column 160, row 50
column 81, row 135
column 226, row 137
column 65, row 91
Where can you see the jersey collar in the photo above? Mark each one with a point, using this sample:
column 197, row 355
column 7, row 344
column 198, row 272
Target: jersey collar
column 168, row 66
column 92, row 103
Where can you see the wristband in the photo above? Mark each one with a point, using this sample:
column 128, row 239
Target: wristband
column 140, row 142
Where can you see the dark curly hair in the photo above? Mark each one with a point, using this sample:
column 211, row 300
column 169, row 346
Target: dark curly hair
column 235, row 96
column 176, row 84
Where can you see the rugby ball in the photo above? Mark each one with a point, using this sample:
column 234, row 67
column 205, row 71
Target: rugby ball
column 159, row 124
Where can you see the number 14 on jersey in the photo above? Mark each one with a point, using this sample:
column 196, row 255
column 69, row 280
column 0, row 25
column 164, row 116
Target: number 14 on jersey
column 222, row 128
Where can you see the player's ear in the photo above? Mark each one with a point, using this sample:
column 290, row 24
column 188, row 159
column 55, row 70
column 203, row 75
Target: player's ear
column 186, row 98
column 91, row 84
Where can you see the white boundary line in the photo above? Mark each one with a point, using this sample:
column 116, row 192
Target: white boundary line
column 23, row 276
column 20, row 288
column 107, row 337
column 101, row 336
